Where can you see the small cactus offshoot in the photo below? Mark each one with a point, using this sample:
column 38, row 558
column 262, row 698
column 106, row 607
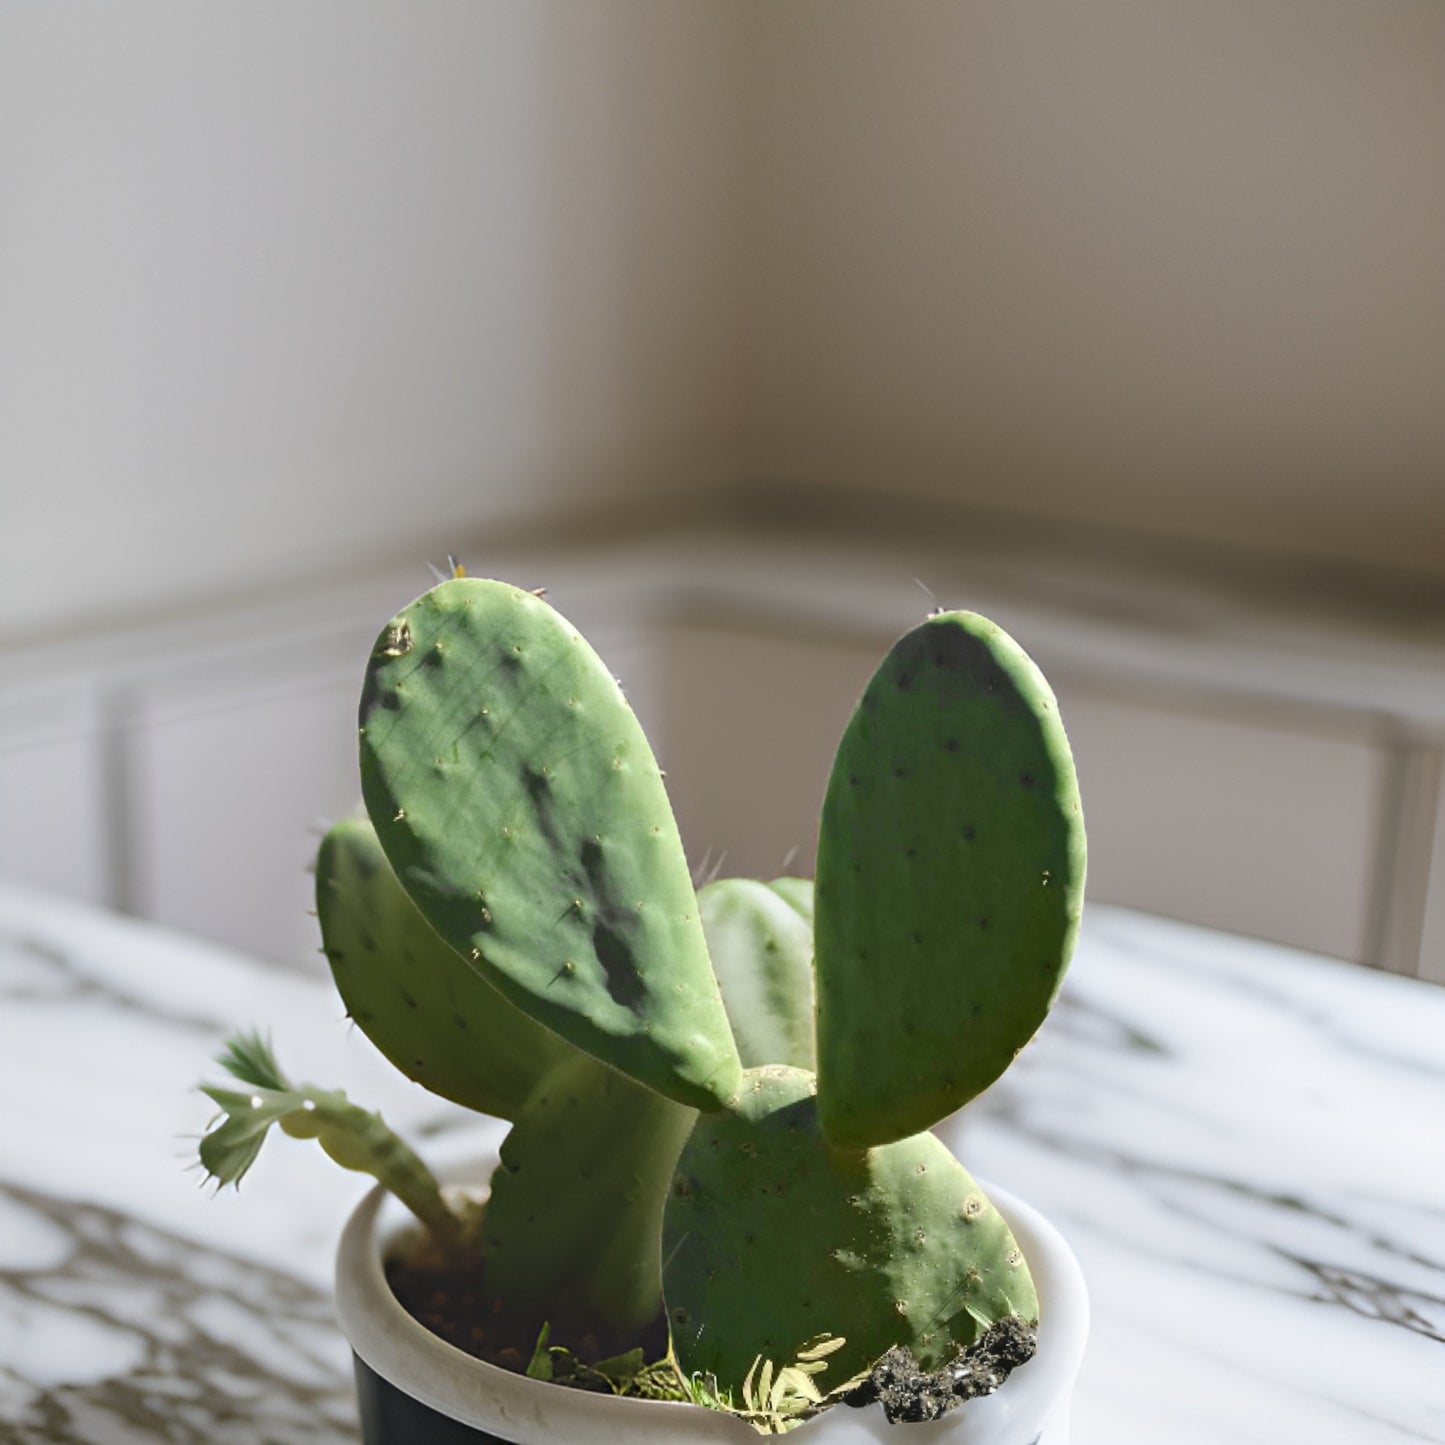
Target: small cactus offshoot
column 719, row 1096
column 350, row 1135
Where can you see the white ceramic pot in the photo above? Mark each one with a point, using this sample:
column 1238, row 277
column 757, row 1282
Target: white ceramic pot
column 415, row 1387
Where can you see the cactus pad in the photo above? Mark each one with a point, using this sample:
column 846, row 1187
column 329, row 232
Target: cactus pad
column 520, row 806
column 771, row 1237
column 436, row 1019
column 949, row 883
column 572, row 1229
column 762, row 951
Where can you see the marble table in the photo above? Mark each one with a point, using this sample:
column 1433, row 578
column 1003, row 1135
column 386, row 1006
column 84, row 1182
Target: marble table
column 1246, row 1147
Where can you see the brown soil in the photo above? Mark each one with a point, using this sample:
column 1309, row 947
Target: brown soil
column 450, row 1303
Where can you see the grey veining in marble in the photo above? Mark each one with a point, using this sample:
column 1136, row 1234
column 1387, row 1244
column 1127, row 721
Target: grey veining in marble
column 116, row 1330
column 1244, row 1145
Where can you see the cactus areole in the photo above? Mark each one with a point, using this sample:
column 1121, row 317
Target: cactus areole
column 719, row 1098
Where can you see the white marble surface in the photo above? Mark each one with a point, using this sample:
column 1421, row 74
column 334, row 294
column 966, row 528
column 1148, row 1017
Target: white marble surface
column 1245, row 1146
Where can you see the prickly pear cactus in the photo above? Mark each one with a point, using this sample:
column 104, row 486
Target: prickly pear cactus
column 517, row 930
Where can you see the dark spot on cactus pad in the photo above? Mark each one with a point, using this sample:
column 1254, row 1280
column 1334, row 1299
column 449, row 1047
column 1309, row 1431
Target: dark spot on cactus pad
column 682, row 1187
column 373, row 695
column 609, row 936
column 396, row 640
column 951, row 745
column 905, row 682
column 407, row 999
column 972, row 1207
column 918, row 935
column 969, row 833
column 1027, row 780
column 460, row 1021
column 681, row 1317
column 983, row 923
column 900, row 772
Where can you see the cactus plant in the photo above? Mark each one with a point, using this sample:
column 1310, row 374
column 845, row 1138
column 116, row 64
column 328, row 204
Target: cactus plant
column 698, row 1145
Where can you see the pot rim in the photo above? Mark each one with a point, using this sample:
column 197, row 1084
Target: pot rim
column 533, row 1412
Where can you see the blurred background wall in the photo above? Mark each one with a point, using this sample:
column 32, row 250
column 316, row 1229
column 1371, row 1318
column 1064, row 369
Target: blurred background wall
column 728, row 320
column 290, row 289
column 1175, row 267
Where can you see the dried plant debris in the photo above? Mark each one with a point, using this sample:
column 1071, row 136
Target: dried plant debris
column 910, row 1393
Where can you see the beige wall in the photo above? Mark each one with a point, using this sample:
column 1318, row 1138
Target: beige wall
column 1174, row 265
column 289, row 286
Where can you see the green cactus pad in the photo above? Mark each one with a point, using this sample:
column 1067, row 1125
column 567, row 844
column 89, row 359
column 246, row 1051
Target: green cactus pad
column 950, row 880
column 520, row 806
column 798, row 894
column 572, row 1230
column 771, row 1237
column 436, row 1019
column 762, row 951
